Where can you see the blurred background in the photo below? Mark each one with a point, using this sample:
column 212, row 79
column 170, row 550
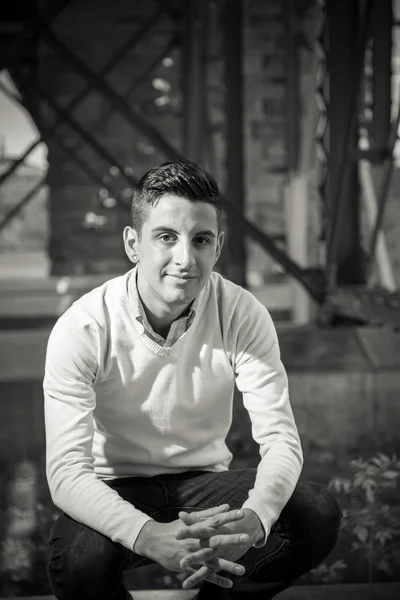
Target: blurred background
column 294, row 106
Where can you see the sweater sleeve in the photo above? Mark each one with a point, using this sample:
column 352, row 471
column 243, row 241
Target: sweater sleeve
column 262, row 379
column 72, row 361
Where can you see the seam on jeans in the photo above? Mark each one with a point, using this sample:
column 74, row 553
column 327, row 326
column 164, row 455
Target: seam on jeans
column 266, row 559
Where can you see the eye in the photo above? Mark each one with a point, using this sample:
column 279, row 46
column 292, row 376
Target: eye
column 166, row 237
column 201, row 241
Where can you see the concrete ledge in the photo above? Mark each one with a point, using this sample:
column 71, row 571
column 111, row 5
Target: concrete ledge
column 379, row 591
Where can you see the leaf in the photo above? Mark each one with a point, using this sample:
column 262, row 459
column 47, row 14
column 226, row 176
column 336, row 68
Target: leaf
column 384, row 566
column 361, row 534
column 390, row 475
column 383, row 536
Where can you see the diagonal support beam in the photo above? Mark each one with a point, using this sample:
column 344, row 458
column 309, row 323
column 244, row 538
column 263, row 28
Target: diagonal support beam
column 89, row 139
column 136, row 119
column 132, row 115
column 80, row 162
column 14, row 53
column 23, row 202
column 133, row 40
column 103, row 119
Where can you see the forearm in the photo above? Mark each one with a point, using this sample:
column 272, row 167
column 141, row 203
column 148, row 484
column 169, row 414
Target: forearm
column 85, row 498
column 277, row 475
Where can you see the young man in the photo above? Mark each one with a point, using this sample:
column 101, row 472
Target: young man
column 139, row 384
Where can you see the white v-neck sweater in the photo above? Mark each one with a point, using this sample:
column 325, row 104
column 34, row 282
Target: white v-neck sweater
column 117, row 404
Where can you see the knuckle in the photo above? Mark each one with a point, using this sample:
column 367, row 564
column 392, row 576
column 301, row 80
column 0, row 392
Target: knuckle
column 203, row 533
column 192, row 545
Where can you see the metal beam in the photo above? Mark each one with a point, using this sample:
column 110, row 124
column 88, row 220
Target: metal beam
column 23, row 202
column 194, row 78
column 89, row 139
column 308, row 280
column 103, row 119
column 293, row 108
column 383, row 192
column 133, row 40
column 382, row 70
column 132, row 115
column 81, row 163
column 235, row 191
column 137, row 120
column 50, row 12
column 345, row 63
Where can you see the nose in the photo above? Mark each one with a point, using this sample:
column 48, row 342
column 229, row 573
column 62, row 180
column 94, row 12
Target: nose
column 184, row 256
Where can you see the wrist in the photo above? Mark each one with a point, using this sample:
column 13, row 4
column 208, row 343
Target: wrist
column 257, row 530
column 144, row 541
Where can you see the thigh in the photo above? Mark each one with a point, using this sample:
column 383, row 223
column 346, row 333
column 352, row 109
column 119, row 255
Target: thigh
column 76, row 546
column 202, row 490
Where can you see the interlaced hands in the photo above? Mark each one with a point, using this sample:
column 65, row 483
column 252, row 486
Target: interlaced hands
column 224, row 537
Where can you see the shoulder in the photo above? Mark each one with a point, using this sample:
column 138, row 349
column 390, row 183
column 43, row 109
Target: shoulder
column 91, row 313
column 101, row 302
column 233, row 297
column 243, row 316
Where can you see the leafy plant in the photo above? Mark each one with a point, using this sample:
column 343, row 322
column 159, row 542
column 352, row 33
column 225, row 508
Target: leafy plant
column 372, row 514
column 325, row 573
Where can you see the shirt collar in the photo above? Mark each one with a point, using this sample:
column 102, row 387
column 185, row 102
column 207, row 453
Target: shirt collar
column 140, row 313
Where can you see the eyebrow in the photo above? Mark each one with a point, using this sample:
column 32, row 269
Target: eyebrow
column 170, row 230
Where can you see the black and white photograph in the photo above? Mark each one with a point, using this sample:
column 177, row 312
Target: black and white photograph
column 200, row 299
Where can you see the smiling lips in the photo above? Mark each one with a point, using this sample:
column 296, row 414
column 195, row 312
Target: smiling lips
column 182, row 277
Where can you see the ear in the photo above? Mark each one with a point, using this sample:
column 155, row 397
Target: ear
column 131, row 244
column 220, row 243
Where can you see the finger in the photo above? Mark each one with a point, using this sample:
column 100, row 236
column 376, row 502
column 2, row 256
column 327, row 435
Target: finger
column 205, row 574
column 217, row 563
column 197, row 558
column 235, row 539
column 225, row 518
column 221, row 564
column 195, row 532
column 196, row 577
column 220, row 580
column 203, row 514
column 186, row 518
column 205, row 529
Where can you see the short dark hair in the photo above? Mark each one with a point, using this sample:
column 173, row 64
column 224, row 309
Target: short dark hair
column 178, row 178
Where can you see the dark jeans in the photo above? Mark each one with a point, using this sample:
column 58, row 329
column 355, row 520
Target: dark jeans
column 85, row 564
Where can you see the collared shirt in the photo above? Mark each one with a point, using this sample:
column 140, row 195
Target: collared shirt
column 177, row 328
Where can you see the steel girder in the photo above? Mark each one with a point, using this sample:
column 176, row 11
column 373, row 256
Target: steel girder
column 307, row 278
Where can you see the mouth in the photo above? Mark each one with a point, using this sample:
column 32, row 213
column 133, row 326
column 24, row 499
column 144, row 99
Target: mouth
column 182, row 277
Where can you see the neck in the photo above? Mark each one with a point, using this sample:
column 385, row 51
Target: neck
column 159, row 314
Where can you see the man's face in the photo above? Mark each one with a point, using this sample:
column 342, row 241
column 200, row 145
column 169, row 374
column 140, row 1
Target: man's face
column 177, row 250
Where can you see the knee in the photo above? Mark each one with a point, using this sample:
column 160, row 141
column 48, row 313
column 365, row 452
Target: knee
column 85, row 571
column 324, row 519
